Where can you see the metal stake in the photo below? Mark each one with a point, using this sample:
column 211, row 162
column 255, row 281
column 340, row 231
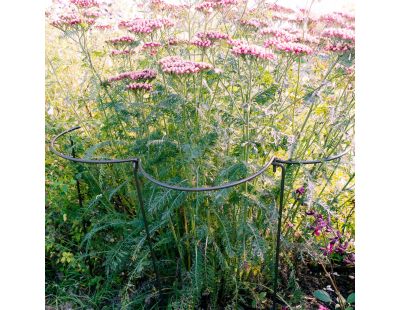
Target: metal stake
column 78, row 186
column 146, row 225
column 278, row 235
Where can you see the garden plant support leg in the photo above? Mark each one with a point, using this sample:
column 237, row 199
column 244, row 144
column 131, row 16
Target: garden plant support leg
column 146, row 226
column 278, row 235
column 78, row 186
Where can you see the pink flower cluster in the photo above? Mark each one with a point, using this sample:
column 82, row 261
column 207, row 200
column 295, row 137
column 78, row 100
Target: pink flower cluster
column 302, row 16
column 332, row 19
column 284, row 17
column 66, row 20
column 252, row 50
column 139, row 86
column 206, row 7
column 283, row 35
column 339, row 33
column 209, row 6
column 146, row 74
column 322, row 226
column 307, row 38
column 177, row 65
column 151, row 45
column 295, row 48
column 203, row 43
column 227, row 2
column 272, row 42
column 103, row 26
column 279, row 8
column 339, row 47
column 123, row 39
column 291, row 29
column 92, row 14
column 175, row 41
column 350, row 70
column 163, row 6
column 144, row 26
column 213, row 35
column 85, row 3
column 255, row 23
column 236, row 42
column 349, row 17
column 121, row 52
column 72, row 19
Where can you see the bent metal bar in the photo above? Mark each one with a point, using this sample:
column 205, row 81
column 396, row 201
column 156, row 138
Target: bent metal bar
column 137, row 167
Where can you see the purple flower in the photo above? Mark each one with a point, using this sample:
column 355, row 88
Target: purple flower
column 300, row 191
column 350, row 259
column 342, row 247
column 328, row 249
column 310, row 212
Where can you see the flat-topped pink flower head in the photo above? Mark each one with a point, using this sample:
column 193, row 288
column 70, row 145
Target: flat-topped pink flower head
column 272, row 42
column 339, row 33
column 176, row 41
column 139, row 86
column 347, row 16
column 253, row 23
column 147, row 45
column 123, row 39
column 67, row 20
column 307, row 38
column 339, row 47
column 72, row 20
column 253, row 51
column 203, row 43
column 141, row 75
column 279, row 8
column 283, row 35
column 85, row 3
column 91, row 14
column 177, row 65
column 332, row 19
column 213, row 35
column 102, row 26
column 294, row 48
column 236, row 42
column 145, row 26
column 208, row 7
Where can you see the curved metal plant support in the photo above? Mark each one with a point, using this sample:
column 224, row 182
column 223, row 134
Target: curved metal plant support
column 137, row 167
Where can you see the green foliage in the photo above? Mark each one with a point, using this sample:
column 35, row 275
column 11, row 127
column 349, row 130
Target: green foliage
column 322, row 295
column 214, row 250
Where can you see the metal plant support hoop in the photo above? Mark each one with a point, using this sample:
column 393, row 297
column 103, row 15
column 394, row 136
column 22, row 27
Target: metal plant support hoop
column 137, row 167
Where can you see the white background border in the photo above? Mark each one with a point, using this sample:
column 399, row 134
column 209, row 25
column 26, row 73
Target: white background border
column 22, row 155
